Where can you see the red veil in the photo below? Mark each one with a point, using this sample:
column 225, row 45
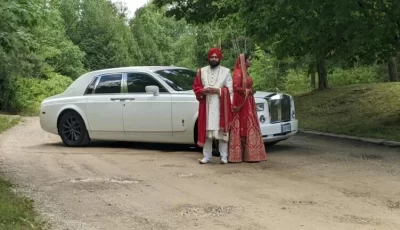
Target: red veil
column 240, row 71
column 245, row 138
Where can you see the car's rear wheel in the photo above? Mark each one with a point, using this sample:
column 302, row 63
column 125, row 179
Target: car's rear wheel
column 72, row 130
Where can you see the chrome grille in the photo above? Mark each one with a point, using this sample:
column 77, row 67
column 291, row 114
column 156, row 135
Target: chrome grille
column 279, row 109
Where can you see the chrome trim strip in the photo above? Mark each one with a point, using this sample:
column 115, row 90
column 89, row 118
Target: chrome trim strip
column 95, row 85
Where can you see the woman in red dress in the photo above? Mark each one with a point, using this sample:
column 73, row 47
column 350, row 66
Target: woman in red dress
column 245, row 142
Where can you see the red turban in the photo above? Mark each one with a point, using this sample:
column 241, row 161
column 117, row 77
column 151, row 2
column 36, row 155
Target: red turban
column 216, row 51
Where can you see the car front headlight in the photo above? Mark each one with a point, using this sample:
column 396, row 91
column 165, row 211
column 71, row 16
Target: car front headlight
column 260, row 107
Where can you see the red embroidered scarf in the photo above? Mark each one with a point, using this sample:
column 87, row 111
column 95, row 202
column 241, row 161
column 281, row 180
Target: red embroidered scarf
column 225, row 110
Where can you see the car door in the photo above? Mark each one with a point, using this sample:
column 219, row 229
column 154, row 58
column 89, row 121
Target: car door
column 104, row 107
column 146, row 113
column 183, row 103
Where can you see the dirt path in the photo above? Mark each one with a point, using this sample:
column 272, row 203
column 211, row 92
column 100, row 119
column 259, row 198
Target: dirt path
column 308, row 183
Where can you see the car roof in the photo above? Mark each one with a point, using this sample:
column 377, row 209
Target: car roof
column 80, row 84
column 130, row 68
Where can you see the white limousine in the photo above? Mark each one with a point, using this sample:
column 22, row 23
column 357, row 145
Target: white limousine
column 146, row 104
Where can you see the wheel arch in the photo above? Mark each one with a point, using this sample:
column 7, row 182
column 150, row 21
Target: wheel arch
column 71, row 109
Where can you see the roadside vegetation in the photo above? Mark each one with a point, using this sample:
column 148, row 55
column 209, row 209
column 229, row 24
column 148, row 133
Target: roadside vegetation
column 7, row 122
column 365, row 110
column 16, row 211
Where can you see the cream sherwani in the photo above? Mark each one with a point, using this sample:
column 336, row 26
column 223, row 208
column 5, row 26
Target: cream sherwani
column 215, row 78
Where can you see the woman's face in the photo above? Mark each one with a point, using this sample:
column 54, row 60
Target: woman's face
column 248, row 61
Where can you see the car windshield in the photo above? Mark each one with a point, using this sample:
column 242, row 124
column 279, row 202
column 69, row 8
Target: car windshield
column 178, row 79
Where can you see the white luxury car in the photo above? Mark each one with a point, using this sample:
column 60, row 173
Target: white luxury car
column 146, row 104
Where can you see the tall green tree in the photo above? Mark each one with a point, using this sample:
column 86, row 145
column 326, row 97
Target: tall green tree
column 16, row 43
column 351, row 31
column 56, row 51
column 163, row 40
column 100, row 29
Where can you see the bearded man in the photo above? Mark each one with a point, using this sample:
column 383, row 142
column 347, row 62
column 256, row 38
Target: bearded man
column 214, row 91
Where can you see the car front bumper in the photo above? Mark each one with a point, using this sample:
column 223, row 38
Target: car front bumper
column 279, row 131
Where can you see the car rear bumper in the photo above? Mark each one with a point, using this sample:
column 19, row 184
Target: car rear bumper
column 48, row 124
column 279, row 131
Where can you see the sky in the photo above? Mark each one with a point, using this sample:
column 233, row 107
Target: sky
column 132, row 5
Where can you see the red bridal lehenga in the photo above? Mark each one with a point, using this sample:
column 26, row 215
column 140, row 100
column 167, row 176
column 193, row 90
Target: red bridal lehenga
column 245, row 140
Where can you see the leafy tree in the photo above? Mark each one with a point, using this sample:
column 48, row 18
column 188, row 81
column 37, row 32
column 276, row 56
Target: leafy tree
column 56, row 51
column 163, row 40
column 16, row 20
column 352, row 31
column 99, row 28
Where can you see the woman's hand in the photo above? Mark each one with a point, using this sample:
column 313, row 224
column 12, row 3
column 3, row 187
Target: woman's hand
column 248, row 91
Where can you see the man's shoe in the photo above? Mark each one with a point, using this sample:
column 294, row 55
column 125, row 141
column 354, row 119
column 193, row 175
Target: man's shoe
column 224, row 161
column 204, row 161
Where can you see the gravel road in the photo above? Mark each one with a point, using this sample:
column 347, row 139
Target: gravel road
column 309, row 182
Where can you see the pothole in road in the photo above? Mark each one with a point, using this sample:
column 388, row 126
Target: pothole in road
column 298, row 202
column 368, row 157
column 357, row 219
column 105, row 180
column 173, row 166
column 393, row 204
column 206, row 210
column 356, row 194
column 181, row 175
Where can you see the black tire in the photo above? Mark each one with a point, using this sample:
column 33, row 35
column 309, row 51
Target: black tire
column 72, row 130
column 271, row 143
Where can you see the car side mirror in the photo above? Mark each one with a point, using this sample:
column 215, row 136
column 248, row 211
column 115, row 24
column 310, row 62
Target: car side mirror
column 153, row 89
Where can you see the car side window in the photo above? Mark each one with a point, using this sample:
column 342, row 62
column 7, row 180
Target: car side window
column 109, row 84
column 90, row 88
column 137, row 83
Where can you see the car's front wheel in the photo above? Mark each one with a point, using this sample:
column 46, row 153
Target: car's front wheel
column 271, row 143
column 72, row 130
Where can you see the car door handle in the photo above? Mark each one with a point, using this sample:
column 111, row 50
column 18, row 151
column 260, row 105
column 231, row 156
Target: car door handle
column 122, row 99
column 118, row 99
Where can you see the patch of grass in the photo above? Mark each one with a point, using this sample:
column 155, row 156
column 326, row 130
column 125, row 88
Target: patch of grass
column 365, row 110
column 7, row 122
column 16, row 212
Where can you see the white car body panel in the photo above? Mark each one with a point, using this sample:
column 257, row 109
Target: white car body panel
column 168, row 117
column 103, row 114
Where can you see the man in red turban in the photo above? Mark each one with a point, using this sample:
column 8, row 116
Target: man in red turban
column 214, row 90
column 212, row 53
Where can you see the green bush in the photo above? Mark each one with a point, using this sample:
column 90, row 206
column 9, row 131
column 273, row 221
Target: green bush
column 291, row 76
column 266, row 72
column 297, row 82
column 357, row 75
column 29, row 92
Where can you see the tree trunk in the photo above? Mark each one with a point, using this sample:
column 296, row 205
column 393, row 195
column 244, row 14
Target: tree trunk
column 392, row 67
column 312, row 72
column 322, row 74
